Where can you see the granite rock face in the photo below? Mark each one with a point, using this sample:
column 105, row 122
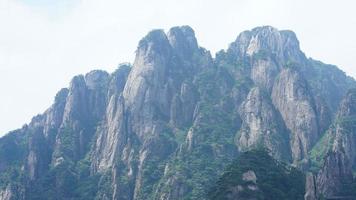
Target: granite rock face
column 166, row 126
column 335, row 177
column 310, row 187
column 6, row 194
column 292, row 98
column 345, row 130
column 262, row 125
column 283, row 45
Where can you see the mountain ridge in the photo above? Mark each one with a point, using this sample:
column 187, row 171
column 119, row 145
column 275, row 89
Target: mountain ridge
column 166, row 126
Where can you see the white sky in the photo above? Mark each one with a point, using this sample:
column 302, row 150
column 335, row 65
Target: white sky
column 44, row 43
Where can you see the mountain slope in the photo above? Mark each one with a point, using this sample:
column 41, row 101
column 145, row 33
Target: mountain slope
column 167, row 126
column 256, row 175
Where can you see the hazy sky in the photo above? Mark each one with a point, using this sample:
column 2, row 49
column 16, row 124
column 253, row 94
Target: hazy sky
column 44, row 43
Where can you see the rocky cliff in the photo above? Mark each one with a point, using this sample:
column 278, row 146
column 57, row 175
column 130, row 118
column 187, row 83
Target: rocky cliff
column 167, row 126
column 335, row 178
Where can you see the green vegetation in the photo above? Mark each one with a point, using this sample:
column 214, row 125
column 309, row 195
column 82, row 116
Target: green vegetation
column 275, row 180
column 327, row 81
column 347, row 123
column 154, row 155
column 199, row 167
column 13, row 175
column 262, row 54
column 320, row 150
column 12, row 153
column 12, row 148
column 66, row 181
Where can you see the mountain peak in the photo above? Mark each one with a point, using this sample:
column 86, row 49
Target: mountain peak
column 156, row 40
column 96, row 78
column 185, row 29
column 284, row 44
column 167, row 126
column 183, row 40
column 265, row 29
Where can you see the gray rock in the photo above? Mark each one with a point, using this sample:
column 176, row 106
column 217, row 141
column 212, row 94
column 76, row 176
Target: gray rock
column 262, row 126
column 6, row 194
column 335, row 174
column 249, row 176
column 263, row 73
column 310, row 187
column 291, row 97
column 165, row 126
column 282, row 44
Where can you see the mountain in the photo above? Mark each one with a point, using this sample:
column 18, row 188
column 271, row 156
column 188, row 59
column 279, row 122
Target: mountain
column 170, row 125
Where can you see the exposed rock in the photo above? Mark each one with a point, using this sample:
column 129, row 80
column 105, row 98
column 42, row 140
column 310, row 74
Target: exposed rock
column 334, row 175
column 183, row 41
column 327, row 82
column 178, row 191
column 345, row 130
column 12, row 192
column 6, row 194
column 111, row 138
column 262, row 126
column 183, row 105
column 43, row 130
column 249, row 176
column 256, row 175
column 167, row 126
column 291, row 97
column 282, row 44
column 310, row 187
column 323, row 113
column 237, row 192
column 263, row 73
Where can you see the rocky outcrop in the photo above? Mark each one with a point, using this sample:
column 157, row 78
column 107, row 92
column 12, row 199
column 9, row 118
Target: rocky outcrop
column 292, row 98
column 6, row 194
column 345, row 128
column 335, row 176
column 262, row 126
column 277, row 66
column 158, row 92
column 183, row 42
column 84, row 108
column 264, row 72
column 283, row 45
column 327, row 82
column 110, row 139
column 12, row 192
column 238, row 192
column 256, row 175
column 310, row 187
